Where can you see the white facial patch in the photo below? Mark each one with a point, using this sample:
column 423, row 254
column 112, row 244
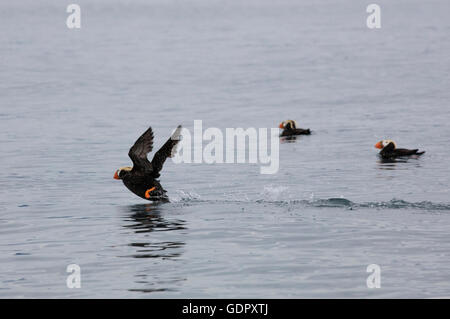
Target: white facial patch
column 386, row 142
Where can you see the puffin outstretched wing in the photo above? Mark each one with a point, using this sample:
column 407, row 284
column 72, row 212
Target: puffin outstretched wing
column 138, row 152
column 167, row 150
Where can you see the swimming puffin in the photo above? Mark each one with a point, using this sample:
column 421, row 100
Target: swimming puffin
column 289, row 128
column 389, row 150
column 141, row 179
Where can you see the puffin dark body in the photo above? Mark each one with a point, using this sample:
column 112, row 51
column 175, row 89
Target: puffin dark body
column 290, row 129
column 390, row 151
column 295, row 131
column 140, row 187
column 142, row 178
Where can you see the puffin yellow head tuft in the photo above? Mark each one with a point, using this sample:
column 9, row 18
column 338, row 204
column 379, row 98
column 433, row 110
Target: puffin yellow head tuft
column 290, row 124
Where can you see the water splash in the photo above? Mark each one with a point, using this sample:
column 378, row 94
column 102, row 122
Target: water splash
column 274, row 192
column 330, row 203
column 185, row 196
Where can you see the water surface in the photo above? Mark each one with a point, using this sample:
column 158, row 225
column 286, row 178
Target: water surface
column 72, row 102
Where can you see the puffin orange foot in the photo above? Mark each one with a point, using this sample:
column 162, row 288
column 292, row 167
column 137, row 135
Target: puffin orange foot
column 147, row 192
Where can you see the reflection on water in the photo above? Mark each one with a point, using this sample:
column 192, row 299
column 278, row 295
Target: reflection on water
column 147, row 221
column 288, row 139
column 391, row 163
column 148, row 218
column 157, row 250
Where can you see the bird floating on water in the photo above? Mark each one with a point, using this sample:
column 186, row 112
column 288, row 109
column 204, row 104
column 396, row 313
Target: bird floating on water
column 389, row 150
column 289, row 128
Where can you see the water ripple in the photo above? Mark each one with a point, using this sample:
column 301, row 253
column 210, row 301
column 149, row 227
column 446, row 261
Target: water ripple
column 336, row 203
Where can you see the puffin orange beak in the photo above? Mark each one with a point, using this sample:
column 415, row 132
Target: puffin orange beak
column 281, row 125
column 116, row 176
column 147, row 192
column 379, row 145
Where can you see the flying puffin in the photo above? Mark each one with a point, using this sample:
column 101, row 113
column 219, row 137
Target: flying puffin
column 141, row 179
column 389, row 150
column 289, row 128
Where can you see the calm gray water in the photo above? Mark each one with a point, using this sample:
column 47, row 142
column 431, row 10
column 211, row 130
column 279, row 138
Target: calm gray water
column 72, row 102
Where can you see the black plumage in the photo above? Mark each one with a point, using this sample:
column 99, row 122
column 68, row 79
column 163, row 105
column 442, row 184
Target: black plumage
column 290, row 129
column 141, row 179
column 390, row 151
